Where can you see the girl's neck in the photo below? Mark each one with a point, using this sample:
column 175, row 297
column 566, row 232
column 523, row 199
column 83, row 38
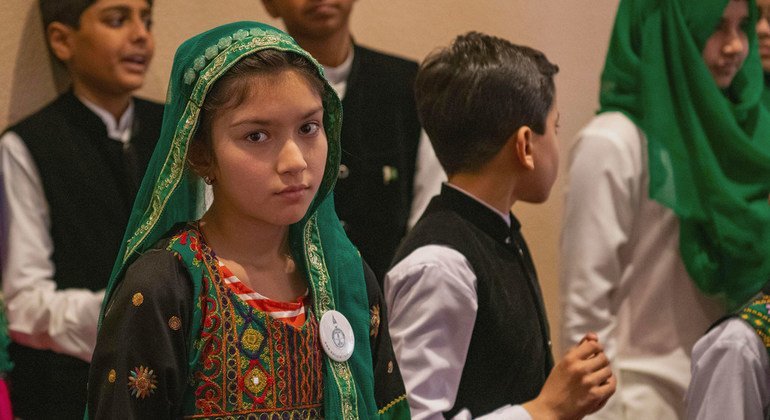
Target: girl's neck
column 257, row 253
column 246, row 241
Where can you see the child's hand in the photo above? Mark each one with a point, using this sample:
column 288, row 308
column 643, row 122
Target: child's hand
column 578, row 385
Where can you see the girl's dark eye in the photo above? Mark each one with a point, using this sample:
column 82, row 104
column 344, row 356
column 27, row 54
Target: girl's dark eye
column 256, row 137
column 310, row 129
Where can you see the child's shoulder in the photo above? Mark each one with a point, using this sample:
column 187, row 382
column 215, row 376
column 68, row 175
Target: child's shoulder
column 50, row 116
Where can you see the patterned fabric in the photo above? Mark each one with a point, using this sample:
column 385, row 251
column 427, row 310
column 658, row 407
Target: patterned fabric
column 172, row 193
column 247, row 362
column 757, row 314
column 292, row 313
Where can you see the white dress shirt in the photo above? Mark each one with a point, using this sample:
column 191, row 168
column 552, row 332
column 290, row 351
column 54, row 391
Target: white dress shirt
column 622, row 275
column 432, row 304
column 730, row 374
column 40, row 315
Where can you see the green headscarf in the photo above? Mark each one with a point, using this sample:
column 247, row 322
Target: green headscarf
column 766, row 92
column 709, row 156
column 171, row 193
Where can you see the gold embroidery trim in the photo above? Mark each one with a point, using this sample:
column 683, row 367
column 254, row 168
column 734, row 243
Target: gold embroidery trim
column 391, row 404
column 324, row 302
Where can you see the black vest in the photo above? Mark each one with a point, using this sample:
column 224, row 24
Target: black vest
column 380, row 135
column 509, row 355
column 90, row 194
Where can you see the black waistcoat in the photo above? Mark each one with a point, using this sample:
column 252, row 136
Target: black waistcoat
column 380, row 134
column 90, row 194
column 509, row 355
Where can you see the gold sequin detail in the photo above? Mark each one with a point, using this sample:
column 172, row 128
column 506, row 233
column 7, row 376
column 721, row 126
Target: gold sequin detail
column 251, row 339
column 137, row 299
column 255, row 381
column 112, row 376
column 175, row 323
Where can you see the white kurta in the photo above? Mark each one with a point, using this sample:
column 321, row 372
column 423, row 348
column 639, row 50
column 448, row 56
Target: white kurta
column 622, row 275
column 730, row 374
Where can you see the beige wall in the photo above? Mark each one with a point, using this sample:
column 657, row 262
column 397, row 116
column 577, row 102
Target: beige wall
column 573, row 33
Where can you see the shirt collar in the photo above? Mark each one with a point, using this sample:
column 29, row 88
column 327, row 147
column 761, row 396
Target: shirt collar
column 120, row 130
column 506, row 216
column 338, row 76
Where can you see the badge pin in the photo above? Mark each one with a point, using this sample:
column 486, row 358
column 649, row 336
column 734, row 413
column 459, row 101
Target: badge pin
column 389, row 174
column 336, row 336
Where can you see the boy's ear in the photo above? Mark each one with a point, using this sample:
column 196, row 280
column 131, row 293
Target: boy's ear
column 60, row 40
column 523, row 147
column 271, row 8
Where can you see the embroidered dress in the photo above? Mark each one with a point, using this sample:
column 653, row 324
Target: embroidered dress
column 251, row 361
column 292, row 313
column 176, row 340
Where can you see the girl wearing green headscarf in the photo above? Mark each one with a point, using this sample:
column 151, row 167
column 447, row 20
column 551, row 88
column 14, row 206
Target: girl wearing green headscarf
column 188, row 328
column 667, row 220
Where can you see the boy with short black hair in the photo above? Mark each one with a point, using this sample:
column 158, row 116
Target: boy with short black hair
column 69, row 176
column 466, row 312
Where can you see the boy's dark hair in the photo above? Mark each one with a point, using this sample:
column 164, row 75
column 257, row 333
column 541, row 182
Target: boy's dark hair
column 65, row 11
column 473, row 95
column 233, row 87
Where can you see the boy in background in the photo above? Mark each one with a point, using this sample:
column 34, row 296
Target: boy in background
column 466, row 313
column 70, row 173
column 388, row 171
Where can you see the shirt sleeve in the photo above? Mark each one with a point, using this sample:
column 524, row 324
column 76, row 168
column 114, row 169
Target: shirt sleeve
column 428, row 177
column 432, row 303
column 39, row 315
column 604, row 181
column 508, row 412
column 139, row 369
column 730, row 374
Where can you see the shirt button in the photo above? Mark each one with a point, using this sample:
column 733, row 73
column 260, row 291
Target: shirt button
column 344, row 171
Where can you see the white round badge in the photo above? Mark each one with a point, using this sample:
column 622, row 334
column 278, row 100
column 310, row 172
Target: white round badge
column 336, row 336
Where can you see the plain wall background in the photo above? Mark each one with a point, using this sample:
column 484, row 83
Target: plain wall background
column 573, row 33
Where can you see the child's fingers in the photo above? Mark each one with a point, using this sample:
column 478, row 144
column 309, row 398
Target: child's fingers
column 600, row 377
column 596, row 361
column 605, row 390
column 585, row 350
column 592, row 336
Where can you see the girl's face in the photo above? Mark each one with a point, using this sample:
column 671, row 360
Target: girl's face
column 269, row 151
column 728, row 46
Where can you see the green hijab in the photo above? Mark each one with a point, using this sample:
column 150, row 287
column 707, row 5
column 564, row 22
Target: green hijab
column 766, row 92
column 171, row 193
column 709, row 156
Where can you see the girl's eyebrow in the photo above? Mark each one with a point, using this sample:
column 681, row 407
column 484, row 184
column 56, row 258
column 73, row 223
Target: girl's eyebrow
column 257, row 121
